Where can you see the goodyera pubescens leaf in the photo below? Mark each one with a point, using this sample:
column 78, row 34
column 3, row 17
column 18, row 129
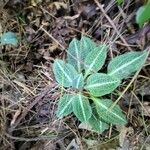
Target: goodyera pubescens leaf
column 79, row 73
column 9, row 38
column 96, row 123
column 81, row 107
column 122, row 66
column 112, row 115
column 74, row 54
column 64, row 73
column 86, row 46
column 78, row 50
column 78, row 82
column 95, row 59
column 100, row 84
column 65, row 105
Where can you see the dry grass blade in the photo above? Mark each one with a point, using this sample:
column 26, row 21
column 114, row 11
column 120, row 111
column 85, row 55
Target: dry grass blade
column 112, row 24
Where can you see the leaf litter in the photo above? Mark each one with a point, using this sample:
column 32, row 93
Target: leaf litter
column 27, row 89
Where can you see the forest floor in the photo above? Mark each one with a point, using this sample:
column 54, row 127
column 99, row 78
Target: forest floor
column 29, row 92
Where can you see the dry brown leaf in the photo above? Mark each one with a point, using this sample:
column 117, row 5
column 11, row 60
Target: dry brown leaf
column 73, row 144
column 123, row 131
column 26, row 89
column 146, row 110
column 84, row 126
column 58, row 5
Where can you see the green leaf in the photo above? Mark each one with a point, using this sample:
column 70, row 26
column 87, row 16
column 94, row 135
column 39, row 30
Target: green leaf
column 78, row 50
column 123, row 65
column 81, row 108
column 74, row 55
column 95, row 59
column 110, row 115
column 9, row 38
column 96, row 123
column 64, row 73
column 78, row 82
column 143, row 14
column 65, row 105
column 120, row 2
column 100, row 84
column 86, row 46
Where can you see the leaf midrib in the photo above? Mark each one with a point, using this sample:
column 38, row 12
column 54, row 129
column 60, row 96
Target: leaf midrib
column 78, row 58
column 90, row 67
column 64, row 72
column 81, row 104
column 78, row 81
column 110, row 111
column 67, row 104
column 98, row 85
column 125, row 65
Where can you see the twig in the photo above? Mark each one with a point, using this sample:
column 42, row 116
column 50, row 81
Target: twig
column 51, row 137
column 112, row 24
column 52, row 37
column 37, row 99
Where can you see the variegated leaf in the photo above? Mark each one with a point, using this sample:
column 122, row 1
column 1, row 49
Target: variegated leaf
column 86, row 46
column 64, row 105
column 81, row 107
column 97, row 124
column 112, row 115
column 78, row 50
column 123, row 65
column 78, row 82
column 74, row 54
column 100, row 84
column 64, row 73
column 95, row 59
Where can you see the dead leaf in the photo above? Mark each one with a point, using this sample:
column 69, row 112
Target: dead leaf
column 145, row 109
column 90, row 142
column 58, row 5
column 141, row 37
column 84, row 126
column 73, row 144
column 25, row 88
column 44, row 146
column 123, row 131
column 144, row 89
column 88, row 11
column 35, row 2
column 125, row 145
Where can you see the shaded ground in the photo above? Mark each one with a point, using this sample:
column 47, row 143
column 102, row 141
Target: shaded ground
column 28, row 91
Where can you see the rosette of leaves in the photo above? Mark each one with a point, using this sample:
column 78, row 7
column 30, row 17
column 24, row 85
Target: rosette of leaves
column 80, row 72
